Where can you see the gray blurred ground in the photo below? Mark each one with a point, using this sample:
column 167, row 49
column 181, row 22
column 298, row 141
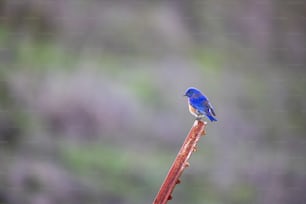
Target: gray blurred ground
column 91, row 106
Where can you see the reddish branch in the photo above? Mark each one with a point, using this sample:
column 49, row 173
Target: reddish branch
column 180, row 162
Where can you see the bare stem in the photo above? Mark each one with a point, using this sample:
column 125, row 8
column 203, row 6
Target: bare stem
column 180, row 162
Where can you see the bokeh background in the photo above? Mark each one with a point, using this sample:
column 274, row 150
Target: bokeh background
column 91, row 105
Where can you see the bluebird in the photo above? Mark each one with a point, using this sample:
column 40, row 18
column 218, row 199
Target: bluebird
column 199, row 105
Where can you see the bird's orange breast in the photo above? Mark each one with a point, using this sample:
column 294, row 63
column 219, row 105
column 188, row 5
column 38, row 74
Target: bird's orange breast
column 192, row 110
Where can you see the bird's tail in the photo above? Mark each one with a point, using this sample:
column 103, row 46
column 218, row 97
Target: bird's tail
column 211, row 118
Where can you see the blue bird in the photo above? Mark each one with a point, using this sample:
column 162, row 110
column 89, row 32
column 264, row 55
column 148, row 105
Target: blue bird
column 199, row 105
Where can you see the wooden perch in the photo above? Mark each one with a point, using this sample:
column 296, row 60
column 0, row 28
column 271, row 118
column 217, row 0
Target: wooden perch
column 180, row 162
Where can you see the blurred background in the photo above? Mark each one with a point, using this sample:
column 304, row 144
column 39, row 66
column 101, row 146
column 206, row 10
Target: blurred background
column 92, row 107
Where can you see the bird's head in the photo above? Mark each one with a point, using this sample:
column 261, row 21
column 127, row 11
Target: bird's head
column 192, row 92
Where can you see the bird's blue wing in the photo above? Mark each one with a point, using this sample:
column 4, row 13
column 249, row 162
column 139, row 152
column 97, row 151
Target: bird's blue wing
column 200, row 105
column 211, row 109
column 204, row 107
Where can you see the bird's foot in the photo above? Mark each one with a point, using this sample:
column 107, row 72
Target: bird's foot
column 199, row 118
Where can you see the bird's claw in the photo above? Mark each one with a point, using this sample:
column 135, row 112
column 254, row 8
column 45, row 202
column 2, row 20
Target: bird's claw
column 199, row 118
